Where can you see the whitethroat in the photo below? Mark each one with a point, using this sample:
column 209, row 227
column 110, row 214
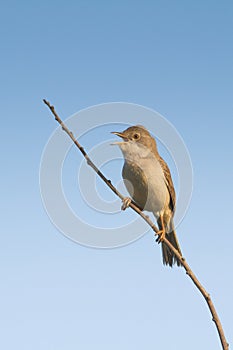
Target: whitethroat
column 148, row 181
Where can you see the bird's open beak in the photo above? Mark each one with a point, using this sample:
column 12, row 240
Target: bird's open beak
column 120, row 134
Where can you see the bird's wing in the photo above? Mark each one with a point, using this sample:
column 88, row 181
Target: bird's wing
column 169, row 183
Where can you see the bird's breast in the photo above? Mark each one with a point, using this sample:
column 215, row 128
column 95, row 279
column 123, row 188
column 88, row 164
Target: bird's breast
column 145, row 182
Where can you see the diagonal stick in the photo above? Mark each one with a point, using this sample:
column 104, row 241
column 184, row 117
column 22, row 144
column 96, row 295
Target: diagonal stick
column 215, row 318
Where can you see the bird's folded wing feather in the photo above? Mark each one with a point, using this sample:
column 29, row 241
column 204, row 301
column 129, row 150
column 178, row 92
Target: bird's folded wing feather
column 169, row 183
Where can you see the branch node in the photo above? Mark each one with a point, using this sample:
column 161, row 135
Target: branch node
column 89, row 162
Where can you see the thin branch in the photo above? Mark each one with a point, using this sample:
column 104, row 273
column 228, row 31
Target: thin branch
column 133, row 205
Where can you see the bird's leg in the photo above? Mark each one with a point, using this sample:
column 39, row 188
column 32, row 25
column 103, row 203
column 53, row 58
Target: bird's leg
column 161, row 233
column 125, row 203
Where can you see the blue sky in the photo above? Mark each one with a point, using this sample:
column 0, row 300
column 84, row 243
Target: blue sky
column 172, row 56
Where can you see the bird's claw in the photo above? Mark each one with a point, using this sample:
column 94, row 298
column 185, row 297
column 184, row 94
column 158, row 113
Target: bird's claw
column 161, row 236
column 125, row 203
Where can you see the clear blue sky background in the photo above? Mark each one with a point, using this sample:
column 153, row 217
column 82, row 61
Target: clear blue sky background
column 173, row 56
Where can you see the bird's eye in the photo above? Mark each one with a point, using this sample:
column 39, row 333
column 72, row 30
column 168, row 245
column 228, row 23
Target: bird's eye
column 136, row 136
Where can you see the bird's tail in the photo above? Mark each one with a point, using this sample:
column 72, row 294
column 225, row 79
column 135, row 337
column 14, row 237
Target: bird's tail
column 169, row 257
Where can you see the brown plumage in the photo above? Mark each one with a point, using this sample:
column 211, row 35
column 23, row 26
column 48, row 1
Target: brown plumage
column 168, row 256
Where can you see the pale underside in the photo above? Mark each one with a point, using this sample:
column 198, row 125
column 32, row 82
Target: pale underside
column 147, row 188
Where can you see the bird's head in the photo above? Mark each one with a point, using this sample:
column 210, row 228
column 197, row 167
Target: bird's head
column 136, row 142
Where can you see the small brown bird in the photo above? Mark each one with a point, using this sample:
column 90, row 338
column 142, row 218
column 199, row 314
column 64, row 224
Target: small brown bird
column 148, row 181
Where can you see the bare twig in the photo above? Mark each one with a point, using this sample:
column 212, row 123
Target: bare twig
column 183, row 262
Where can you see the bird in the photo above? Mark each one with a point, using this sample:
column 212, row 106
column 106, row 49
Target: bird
column 148, row 180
